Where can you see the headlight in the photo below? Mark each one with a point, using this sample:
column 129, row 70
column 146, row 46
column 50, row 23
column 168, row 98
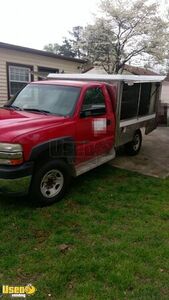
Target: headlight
column 11, row 154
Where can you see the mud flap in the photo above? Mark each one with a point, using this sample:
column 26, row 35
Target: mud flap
column 151, row 125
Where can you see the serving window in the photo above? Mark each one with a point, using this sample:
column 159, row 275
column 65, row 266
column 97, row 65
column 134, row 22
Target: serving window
column 136, row 100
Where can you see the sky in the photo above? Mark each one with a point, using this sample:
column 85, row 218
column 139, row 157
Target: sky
column 35, row 23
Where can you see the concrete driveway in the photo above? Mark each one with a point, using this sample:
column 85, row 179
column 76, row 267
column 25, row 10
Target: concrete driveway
column 153, row 158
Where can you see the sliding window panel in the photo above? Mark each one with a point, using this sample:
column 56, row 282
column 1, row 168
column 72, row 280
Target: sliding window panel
column 145, row 98
column 155, row 91
column 130, row 100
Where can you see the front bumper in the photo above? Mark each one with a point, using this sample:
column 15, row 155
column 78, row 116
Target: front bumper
column 16, row 180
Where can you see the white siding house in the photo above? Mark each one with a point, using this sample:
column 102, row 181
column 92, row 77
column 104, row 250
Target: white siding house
column 20, row 65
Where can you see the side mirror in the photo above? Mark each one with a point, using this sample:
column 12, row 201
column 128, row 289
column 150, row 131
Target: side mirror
column 85, row 113
column 98, row 111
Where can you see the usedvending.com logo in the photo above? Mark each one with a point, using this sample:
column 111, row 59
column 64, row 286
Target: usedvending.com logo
column 17, row 291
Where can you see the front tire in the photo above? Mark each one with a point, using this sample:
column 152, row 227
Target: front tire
column 133, row 148
column 50, row 182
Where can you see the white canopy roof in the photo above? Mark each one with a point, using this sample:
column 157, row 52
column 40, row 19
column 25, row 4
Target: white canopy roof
column 104, row 77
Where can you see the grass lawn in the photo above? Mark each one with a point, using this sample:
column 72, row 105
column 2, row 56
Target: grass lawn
column 109, row 239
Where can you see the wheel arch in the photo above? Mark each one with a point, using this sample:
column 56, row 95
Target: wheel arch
column 60, row 148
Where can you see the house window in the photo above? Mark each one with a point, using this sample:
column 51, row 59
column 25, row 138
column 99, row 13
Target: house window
column 19, row 77
column 44, row 71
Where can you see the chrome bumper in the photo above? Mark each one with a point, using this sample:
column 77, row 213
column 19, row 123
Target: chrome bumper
column 15, row 186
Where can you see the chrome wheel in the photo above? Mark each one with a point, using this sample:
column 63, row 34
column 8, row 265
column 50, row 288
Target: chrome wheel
column 52, row 183
column 136, row 142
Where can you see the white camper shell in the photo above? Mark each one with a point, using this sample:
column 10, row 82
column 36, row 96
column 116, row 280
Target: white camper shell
column 136, row 101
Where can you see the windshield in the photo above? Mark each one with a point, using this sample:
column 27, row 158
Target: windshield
column 54, row 99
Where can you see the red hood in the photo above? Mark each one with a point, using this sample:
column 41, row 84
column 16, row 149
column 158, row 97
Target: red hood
column 16, row 123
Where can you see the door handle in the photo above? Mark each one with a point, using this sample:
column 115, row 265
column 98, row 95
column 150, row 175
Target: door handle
column 108, row 122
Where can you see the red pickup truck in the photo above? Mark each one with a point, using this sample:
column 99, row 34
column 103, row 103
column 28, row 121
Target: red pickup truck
column 53, row 130
column 57, row 129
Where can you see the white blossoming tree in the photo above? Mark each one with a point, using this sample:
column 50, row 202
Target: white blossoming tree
column 125, row 30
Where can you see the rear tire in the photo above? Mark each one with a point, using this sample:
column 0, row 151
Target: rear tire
column 50, row 182
column 133, row 148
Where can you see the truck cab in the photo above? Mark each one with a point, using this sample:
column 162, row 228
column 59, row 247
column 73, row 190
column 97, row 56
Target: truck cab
column 68, row 124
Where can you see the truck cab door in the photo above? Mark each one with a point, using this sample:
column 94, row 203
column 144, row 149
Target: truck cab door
column 95, row 132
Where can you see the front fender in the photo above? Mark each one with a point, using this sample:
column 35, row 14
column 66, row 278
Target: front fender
column 63, row 147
